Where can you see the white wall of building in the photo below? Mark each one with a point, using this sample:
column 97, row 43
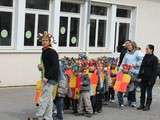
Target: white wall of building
column 148, row 24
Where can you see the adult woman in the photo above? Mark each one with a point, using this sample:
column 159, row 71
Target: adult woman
column 133, row 57
column 147, row 75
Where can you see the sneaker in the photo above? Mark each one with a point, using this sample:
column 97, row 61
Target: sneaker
column 133, row 104
column 112, row 101
column 121, row 107
column 89, row 115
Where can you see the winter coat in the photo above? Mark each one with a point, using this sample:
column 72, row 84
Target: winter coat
column 148, row 70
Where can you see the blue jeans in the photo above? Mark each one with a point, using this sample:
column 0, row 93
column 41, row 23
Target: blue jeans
column 120, row 98
column 59, row 101
column 132, row 94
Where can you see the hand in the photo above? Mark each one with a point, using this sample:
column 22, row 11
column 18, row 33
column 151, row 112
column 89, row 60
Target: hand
column 45, row 80
column 40, row 67
column 140, row 80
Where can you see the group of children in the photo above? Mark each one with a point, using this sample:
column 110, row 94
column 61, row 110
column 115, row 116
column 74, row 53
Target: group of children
column 90, row 83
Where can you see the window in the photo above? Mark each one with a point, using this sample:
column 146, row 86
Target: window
column 74, row 32
column 70, row 7
column 123, row 35
column 35, row 21
column 5, row 28
column 6, row 3
column 69, row 28
column 101, row 33
column 123, row 13
column 98, row 10
column 63, row 31
column 122, row 31
column 98, row 26
column 38, row 4
column 6, row 18
column 92, row 33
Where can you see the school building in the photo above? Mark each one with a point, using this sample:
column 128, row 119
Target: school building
column 96, row 27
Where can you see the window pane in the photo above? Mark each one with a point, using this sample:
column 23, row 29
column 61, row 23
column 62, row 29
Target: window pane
column 42, row 26
column 29, row 30
column 5, row 28
column 6, row 2
column 101, row 33
column 98, row 10
column 63, row 29
column 70, row 7
column 123, row 13
column 74, row 32
column 92, row 33
column 38, row 4
column 123, row 35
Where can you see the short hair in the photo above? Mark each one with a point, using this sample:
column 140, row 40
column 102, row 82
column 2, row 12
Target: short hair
column 151, row 47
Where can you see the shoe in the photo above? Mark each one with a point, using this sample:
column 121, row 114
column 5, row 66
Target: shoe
column 99, row 111
column 106, row 103
column 121, row 107
column 133, row 104
column 34, row 118
column 112, row 101
column 79, row 114
column 140, row 107
column 89, row 115
column 147, row 108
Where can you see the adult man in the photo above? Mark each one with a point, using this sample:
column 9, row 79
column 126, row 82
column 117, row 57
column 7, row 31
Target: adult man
column 50, row 72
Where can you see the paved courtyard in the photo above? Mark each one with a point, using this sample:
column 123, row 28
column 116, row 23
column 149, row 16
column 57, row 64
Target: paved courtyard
column 17, row 104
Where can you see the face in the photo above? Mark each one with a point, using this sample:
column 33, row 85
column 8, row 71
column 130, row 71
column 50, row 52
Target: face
column 45, row 43
column 148, row 50
column 130, row 47
column 127, row 43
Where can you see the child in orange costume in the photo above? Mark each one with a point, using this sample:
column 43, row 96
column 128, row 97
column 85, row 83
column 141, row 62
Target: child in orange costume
column 122, row 81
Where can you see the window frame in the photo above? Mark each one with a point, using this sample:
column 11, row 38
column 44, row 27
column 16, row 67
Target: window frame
column 37, row 12
column 97, row 18
column 70, row 15
column 10, row 9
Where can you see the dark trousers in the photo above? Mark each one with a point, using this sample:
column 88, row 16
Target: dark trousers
column 111, row 93
column 93, row 102
column 99, row 102
column 120, row 98
column 75, row 105
column 59, row 101
column 67, row 103
column 132, row 96
column 146, row 88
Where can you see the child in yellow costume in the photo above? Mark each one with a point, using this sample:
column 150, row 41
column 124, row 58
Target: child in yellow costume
column 112, row 74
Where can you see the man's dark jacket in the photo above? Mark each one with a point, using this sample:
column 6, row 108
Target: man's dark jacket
column 50, row 61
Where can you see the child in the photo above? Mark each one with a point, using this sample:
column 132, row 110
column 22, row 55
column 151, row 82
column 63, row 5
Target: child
column 111, row 92
column 84, row 101
column 100, row 88
column 123, row 79
column 93, row 85
column 61, row 93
